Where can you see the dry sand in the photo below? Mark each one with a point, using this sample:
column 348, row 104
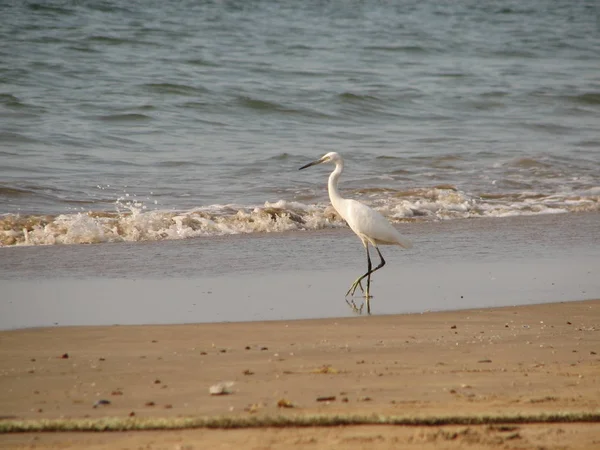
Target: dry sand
column 488, row 365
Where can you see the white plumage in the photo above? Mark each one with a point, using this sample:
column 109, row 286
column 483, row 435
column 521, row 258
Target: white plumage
column 369, row 225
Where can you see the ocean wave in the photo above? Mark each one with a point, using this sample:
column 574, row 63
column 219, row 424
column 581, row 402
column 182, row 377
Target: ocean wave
column 529, row 163
column 587, row 98
column 9, row 137
column 7, row 191
column 398, row 48
column 42, row 7
column 126, row 117
column 355, row 97
column 258, row 104
column 109, row 40
column 176, row 89
column 266, row 106
column 10, row 100
column 176, row 163
column 133, row 221
column 201, row 62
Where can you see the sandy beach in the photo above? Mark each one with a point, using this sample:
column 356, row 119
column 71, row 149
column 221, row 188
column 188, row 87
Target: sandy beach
column 473, row 372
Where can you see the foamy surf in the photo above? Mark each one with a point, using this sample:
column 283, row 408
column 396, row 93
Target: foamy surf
column 132, row 222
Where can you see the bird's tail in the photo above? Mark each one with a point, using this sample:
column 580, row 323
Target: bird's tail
column 404, row 242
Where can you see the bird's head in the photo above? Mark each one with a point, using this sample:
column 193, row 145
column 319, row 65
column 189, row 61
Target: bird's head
column 328, row 157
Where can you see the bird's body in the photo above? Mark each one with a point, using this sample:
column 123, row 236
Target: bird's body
column 369, row 225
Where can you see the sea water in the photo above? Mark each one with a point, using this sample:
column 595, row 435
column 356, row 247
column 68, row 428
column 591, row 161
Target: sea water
column 130, row 121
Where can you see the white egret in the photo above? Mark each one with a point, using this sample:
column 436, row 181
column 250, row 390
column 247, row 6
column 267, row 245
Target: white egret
column 369, row 225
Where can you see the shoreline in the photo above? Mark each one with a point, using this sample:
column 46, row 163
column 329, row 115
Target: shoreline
column 316, row 320
column 534, row 360
column 284, row 276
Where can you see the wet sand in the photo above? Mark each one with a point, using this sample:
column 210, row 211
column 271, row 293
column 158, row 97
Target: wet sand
column 471, row 364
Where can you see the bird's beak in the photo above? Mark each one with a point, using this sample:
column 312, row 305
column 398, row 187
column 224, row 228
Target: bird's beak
column 314, row 163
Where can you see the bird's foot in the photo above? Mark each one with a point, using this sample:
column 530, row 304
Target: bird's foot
column 352, row 289
column 355, row 308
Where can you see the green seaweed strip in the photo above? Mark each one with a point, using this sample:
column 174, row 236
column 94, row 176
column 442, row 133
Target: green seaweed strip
column 280, row 421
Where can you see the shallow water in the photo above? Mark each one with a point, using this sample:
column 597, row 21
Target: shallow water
column 484, row 263
column 173, row 120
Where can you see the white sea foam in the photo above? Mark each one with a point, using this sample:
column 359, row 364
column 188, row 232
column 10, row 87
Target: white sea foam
column 135, row 222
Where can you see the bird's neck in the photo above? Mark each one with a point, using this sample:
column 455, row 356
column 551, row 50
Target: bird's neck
column 334, row 194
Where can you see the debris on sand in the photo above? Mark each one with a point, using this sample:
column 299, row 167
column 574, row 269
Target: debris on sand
column 285, row 403
column 325, row 369
column 222, row 388
column 101, row 403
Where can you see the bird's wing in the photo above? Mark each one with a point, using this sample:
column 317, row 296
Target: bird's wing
column 372, row 226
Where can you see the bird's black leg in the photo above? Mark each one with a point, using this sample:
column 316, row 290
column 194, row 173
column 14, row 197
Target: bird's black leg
column 357, row 282
column 368, row 276
column 381, row 264
column 369, row 266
